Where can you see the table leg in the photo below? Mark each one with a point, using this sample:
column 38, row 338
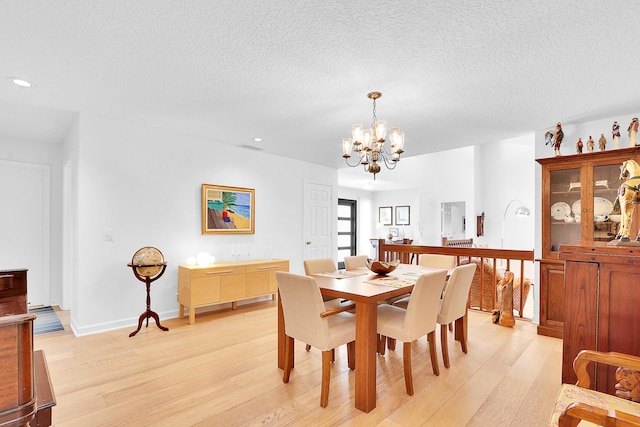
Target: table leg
column 366, row 324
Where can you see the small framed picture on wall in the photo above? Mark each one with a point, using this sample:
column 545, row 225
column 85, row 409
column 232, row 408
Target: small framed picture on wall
column 403, row 215
column 385, row 215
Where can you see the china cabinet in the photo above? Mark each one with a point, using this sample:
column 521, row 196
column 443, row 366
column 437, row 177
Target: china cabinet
column 578, row 196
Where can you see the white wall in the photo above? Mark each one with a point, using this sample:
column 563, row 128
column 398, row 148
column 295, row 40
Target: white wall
column 509, row 175
column 142, row 187
column 49, row 154
column 409, row 197
column 486, row 177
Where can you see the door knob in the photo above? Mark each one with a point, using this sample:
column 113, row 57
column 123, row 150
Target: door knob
column 308, row 243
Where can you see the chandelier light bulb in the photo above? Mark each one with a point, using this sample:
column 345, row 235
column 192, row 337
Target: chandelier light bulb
column 346, row 147
column 356, row 133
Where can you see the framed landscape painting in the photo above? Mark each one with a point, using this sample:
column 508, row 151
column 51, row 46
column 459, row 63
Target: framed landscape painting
column 227, row 210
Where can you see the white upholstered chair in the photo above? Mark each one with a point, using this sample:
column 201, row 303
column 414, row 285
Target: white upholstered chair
column 447, row 262
column 454, row 306
column 319, row 265
column 322, row 265
column 417, row 320
column 306, row 319
column 355, row 262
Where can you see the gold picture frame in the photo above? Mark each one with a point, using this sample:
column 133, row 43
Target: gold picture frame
column 228, row 210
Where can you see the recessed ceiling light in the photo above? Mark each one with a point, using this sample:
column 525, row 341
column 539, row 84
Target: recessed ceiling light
column 21, row 82
column 257, row 139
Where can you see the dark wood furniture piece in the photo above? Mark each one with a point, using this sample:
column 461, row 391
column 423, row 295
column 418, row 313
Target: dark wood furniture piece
column 13, row 292
column 17, row 386
column 366, row 297
column 601, row 305
column 13, row 302
column 45, row 397
column 585, row 183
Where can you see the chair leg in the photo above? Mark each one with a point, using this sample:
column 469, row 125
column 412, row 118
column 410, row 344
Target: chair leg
column 308, row 348
column 408, row 378
column 451, row 327
column 351, row 355
column 288, row 353
column 445, row 345
column 333, row 355
column 326, row 378
column 461, row 332
column 431, row 337
column 382, row 341
column 391, row 344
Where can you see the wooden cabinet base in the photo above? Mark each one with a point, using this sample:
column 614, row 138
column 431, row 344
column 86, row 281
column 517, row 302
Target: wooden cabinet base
column 226, row 282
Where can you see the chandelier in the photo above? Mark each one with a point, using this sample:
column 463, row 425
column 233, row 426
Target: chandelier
column 368, row 144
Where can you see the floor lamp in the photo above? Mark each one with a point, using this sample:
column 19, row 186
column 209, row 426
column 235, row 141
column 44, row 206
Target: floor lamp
column 522, row 210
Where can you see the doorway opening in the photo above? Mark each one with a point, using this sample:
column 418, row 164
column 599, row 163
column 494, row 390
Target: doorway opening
column 347, row 229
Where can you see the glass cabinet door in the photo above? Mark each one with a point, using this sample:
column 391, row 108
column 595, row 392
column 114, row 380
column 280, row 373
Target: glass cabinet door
column 565, row 201
column 606, row 220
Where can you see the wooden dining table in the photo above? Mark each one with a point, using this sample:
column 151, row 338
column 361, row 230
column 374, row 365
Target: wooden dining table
column 366, row 295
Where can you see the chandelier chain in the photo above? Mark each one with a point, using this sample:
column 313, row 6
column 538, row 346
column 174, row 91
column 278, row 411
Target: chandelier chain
column 375, row 119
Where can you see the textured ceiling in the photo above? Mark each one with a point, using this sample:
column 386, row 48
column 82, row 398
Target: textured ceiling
column 296, row 73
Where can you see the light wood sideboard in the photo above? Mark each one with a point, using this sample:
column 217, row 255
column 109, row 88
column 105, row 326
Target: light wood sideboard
column 224, row 282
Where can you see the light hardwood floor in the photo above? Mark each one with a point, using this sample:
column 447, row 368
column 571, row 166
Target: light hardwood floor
column 222, row 371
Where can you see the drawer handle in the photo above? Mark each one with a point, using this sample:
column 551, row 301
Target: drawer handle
column 221, row 272
column 271, row 267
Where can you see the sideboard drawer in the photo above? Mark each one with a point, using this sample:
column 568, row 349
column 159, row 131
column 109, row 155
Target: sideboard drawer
column 220, row 271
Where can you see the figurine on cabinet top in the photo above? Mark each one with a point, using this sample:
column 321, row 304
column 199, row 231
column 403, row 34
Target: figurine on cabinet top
column 558, row 139
column 615, row 134
column 602, row 142
column 633, row 132
column 579, row 146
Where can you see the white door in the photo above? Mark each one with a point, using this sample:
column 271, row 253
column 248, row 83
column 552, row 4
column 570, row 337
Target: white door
column 24, row 224
column 318, row 220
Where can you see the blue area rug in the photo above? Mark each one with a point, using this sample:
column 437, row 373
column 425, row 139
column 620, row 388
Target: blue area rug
column 46, row 321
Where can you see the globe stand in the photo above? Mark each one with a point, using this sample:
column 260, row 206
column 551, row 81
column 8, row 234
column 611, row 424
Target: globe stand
column 147, row 271
column 148, row 313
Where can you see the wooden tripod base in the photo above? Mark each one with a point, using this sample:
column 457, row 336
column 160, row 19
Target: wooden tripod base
column 146, row 315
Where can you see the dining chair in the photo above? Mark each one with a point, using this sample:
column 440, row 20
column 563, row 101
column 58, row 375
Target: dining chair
column 355, row 262
column 417, row 320
column 429, row 260
column 319, row 265
column 306, row 319
column 322, row 265
column 438, row 261
column 454, row 306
